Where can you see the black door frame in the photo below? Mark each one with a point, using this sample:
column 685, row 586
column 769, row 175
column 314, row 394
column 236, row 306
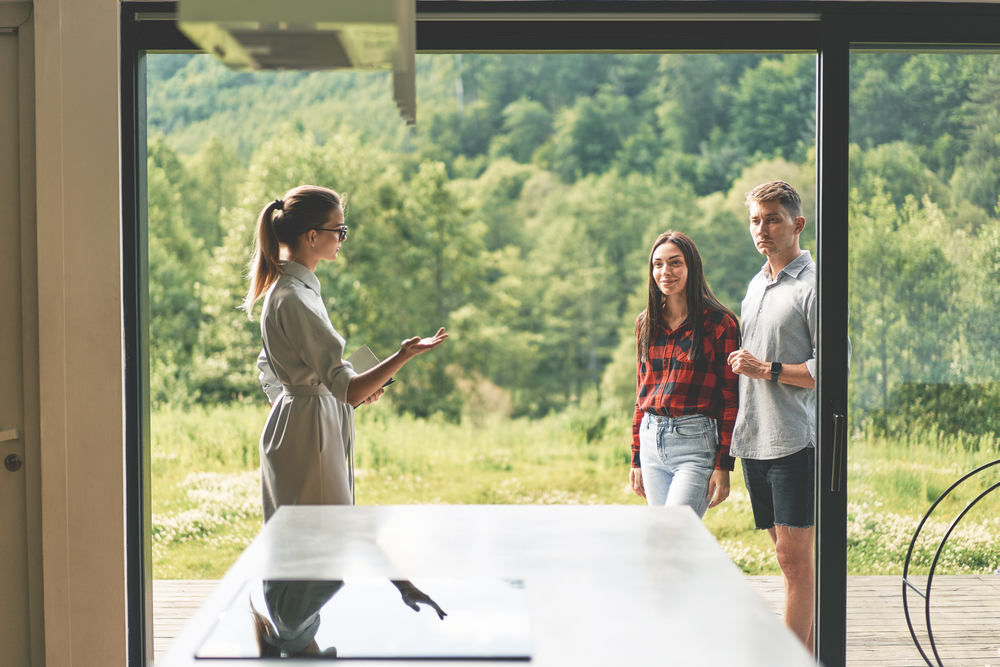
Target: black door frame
column 829, row 29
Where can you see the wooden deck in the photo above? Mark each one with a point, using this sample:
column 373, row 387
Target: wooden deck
column 965, row 617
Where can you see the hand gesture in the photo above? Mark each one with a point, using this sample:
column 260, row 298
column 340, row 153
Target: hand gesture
column 416, row 345
column 413, row 595
column 368, row 384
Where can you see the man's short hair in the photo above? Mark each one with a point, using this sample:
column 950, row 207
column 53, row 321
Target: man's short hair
column 778, row 191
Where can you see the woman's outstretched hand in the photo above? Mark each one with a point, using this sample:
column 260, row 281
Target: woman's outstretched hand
column 413, row 595
column 416, row 345
column 364, row 385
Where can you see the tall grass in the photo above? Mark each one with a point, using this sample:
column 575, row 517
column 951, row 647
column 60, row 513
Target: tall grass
column 892, row 484
column 206, row 488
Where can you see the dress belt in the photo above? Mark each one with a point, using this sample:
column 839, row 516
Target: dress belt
column 306, row 390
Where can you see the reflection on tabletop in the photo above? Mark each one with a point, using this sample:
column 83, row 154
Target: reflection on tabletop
column 295, row 607
column 363, row 618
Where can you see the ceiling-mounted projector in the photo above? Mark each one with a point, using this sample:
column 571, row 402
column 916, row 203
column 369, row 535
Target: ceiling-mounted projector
column 310, row 34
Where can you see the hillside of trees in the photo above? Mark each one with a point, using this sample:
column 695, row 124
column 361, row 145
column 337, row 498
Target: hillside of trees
column 520, row 210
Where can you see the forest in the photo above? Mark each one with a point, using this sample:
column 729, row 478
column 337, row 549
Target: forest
column 519, row 211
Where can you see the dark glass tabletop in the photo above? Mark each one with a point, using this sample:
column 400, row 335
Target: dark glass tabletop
column 374, row 618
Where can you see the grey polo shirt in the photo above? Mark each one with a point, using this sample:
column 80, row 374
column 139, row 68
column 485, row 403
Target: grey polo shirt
column 779, row 324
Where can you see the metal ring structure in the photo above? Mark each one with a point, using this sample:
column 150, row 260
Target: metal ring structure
column 926, row 594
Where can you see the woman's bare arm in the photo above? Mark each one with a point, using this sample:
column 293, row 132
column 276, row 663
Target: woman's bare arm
column 365, row 384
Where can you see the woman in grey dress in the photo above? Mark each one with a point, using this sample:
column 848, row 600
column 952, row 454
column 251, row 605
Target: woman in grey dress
column 306, row 446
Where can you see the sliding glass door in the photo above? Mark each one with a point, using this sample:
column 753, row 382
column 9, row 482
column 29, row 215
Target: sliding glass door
column 924, row 282
column 907, row 239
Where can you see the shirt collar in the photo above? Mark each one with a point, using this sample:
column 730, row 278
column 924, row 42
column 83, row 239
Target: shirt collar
column 794, row 267
column 296, row 270
column 687, row 323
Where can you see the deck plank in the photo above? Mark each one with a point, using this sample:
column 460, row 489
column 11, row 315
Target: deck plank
column 965, row 613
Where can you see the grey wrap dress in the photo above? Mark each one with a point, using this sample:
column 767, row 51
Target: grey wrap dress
column 306, row 444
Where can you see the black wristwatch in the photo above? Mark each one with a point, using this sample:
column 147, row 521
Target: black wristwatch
column 775, row 370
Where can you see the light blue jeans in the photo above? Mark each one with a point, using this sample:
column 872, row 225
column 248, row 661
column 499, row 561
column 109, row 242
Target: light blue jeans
column 677, row 456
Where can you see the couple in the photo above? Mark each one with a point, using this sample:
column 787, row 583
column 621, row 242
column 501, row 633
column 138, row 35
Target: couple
column 693, row 374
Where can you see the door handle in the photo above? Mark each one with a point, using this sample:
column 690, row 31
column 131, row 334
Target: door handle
column 10, row 434
column 839, row 445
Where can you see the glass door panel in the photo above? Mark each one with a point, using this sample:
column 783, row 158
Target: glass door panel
column 534, row 184
column 924, row 276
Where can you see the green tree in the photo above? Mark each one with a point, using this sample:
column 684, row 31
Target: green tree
column 977, row 177
column 215, row 174
column 588, row 136
column 982, row 297
column 577, row 305
column 774, row 108
column 176, row 272
column 527, row 124
column 695, row 96
column 590, row 252
column 493, row 199
column 895, row 168
column 877, row 107
column 431, row 266
column 904, row 299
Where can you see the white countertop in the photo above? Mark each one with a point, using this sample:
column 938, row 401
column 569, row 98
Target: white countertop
column 606, row 585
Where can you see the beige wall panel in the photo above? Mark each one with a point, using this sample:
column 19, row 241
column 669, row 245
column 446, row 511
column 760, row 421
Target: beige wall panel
column 80, row 340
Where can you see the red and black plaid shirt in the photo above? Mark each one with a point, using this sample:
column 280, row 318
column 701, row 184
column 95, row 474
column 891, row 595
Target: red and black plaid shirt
column 671, row 385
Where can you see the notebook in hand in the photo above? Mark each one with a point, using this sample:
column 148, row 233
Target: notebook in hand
column 364, row 359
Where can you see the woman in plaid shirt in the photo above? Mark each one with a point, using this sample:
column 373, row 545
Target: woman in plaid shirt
column 686, row 393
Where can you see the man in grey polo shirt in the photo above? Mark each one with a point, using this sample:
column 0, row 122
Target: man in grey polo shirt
column 775, row 432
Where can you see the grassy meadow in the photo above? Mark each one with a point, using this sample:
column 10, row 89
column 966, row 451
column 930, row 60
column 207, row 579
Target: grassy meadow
column 206, row 484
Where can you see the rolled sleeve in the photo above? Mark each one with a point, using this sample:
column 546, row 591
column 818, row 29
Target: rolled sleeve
column 636, row 424
column 812, row 320
column 729, row 387
column 637, row 413
column 323, row 352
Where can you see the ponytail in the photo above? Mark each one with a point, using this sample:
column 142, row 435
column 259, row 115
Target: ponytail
column 268, row 639
column 280, row 224
column 264, row 268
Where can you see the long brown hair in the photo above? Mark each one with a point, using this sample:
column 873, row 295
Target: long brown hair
column 268, row 640
column 281, row 223
column 699, row 298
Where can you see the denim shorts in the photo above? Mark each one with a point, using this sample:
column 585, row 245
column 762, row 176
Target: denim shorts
column 782, row 490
